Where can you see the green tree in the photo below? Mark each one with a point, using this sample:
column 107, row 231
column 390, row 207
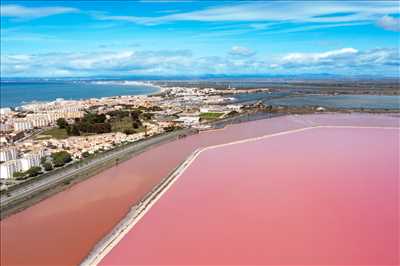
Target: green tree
column 92, row 118
column 47, row 166
column 232, row 113
column 75, row 130
column 135, row 115
column 100, row 128
column 34, row 171
column 68, row 129
column 136, row 125
column 129, row 131
column 19, row 175
column 170, row 128
column 43, row 160
column 119, row 114
column 62, row 123
column 60, row 158
column 91, row 123
column 147, row 116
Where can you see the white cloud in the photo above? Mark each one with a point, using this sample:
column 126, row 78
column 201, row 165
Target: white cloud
column 168, row 11
column 389, row 23
column 93, row 63
column 346, row 58
column 121, row 18
column 270, row 11
column 312, row 58
column 22, row 12
column 241, row 51
column 314, row 27
column 183, row 62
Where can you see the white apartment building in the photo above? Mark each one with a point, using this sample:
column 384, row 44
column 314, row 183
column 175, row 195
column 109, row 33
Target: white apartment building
column 55, row 105
column 8, row 154
column 22, row 125
column 29, row 160
column 207, row 109
column 189, row 120
column 8, row 168
column 5, row 110
column 39, row 122
column 45, row 119
column 234, row 107
column 3, row 140
column 52, row 116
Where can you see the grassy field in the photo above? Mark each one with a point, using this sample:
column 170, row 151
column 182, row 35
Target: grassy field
column 124, row 124
column 56, row 133
column 210, row 115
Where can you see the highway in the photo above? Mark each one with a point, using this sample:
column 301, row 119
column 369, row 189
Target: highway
column 18, row 195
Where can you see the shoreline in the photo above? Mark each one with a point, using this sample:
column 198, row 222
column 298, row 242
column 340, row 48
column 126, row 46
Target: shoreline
column 124, row 83
column 160, row 89
column 137, row 211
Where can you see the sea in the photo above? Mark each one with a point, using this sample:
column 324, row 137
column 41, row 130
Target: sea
column 15, row 94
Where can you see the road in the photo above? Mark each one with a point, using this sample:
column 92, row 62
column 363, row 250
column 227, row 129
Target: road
column 18, row 195
column 26, row 191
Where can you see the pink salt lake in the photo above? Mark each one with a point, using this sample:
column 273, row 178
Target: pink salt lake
column 241, row 183
column 325, row 196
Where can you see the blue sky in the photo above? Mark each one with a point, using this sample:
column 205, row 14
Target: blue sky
column 88, row 38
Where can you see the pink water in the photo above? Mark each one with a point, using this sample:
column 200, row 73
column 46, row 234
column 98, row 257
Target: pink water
column 62, row 229
column 316, row 197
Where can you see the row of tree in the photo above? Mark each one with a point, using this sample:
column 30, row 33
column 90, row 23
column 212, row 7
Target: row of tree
column 31, row 172
column 60, row 158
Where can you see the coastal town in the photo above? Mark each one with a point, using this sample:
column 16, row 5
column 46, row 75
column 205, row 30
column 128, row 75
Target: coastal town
column 160, row 132
column 37, row 138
